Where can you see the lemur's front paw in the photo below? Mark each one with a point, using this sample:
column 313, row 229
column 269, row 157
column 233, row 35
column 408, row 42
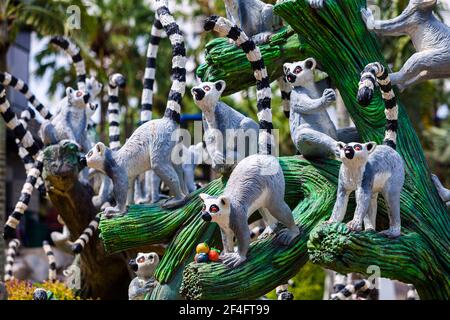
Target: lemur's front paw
column 391, row 233
column 354, row 225
column 112, row 212
column 368, row 18
column 232, row 260
column 286, row 236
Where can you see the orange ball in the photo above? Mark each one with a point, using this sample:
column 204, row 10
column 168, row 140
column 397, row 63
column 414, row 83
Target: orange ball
column 202, row 248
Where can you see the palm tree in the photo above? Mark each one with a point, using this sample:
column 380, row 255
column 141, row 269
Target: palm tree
column 44, row 17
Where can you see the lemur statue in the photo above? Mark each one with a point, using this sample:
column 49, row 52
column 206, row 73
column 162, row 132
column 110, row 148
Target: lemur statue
column 70, row 123
column 257, row 181
column 370, row 169
column 312, row 130
column 144, row 266
column 430, row 37
column 150, row 146
column 444, row 193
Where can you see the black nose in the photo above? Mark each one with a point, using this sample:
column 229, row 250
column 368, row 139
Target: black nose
column 349, row 152
column 206, row 217
column 132, row 263
column 199, row 94
column 291, row 78
column 121, row 82
column 82, row 162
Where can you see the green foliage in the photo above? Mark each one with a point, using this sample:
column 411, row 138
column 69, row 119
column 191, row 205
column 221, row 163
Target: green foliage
column 308, row 284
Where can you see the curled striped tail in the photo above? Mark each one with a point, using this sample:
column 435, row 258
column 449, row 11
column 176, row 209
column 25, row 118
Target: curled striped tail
column 87, row 234
column 116, row 81
column 13, row 247
column 285, row 89
column 150, row 70
column 14, row 124
column 178, row 88
column 376, row 73
column 74, row 52
column 19, row 85
column 360, row 286
column 51, row 261
column 225, row 27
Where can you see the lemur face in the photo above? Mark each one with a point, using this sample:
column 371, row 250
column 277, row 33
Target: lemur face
column 301, row 72
column 355, row 152
column 215, row 209
column 95, row 158
column 77, row 98
column 145, row 264
column 207, row 94
column 93, row 87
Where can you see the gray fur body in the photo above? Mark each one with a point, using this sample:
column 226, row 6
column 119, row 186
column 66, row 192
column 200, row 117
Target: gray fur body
column 383, row 173
column 430, row 37
column 312, row 131
column 144, row 266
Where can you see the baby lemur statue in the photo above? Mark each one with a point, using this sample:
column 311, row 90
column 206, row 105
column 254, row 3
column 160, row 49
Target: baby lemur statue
column 370, row 169
column 430, row 37
column 144, row 266
column 312, row 130
column 257, row 181
column 151, row 144
column 70, row 122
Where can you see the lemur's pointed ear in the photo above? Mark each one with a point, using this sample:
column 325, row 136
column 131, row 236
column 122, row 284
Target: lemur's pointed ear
column 203, row 196
column 220, row 85
column 69, row 91
column 310, row 63
column 340, row 145
column 370, row 146
column 224, row 201
column 100, row 147
column 286, row 67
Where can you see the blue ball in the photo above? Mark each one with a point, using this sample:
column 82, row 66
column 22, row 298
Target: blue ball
column 202, row 257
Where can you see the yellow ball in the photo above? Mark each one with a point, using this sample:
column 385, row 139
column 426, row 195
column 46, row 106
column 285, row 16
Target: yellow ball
column 202, row 248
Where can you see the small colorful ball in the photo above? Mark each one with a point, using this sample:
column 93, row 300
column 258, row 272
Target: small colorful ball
column 201, row 257
column 213, row 254
column 202, row 248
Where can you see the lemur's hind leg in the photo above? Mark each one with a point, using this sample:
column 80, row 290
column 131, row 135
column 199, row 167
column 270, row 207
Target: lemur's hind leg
column 392, row 198
column 168, row 174
column 315, row 144
column 180, row 174
column 371, row 216
column 419, row 67
column 349, row 134
column 281, row 211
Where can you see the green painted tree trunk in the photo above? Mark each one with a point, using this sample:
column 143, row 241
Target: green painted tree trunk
column 338, row 39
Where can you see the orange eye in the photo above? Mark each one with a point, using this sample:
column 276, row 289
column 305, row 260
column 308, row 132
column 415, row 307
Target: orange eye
column 141, row 259
column 297, row 70
column 357, row 147
column 214, row 208
column 206, row 88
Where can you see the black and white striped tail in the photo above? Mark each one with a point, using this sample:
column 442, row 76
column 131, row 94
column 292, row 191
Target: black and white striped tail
column 25, row 197
column 116, row 81
column 376, row 73
column 14, row 124
column 225, row 27
column 51, row 261
column 285, row 89
column 72, row 49
column 150, row 71
column 178, row 77
column 13, row 247
column 87, row 234
column 346, row 292
column 9, row 80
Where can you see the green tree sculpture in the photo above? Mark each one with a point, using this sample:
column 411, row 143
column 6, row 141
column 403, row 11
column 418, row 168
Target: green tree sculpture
column 338, row 39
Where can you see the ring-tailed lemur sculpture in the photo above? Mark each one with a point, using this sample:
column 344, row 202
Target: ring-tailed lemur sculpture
column 362, row 287
column 88, row 233
column 144, row 266
column 257, row 181
column 312, row 131
column 150, row 146
column 70, row 123
column 430, row 37
column 444, row 193
column 51, row 261
column 370, row 169
column 11, row 254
